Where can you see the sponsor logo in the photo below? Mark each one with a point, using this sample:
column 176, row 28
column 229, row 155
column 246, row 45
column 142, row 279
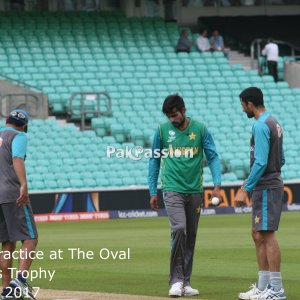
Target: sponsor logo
column 137, row 214
column 293, row 207
column 279, row 130
column 171, row 139
column 192, row 136
column 66, row 217
column 171, row 136
column 208, row 211
column 138, row 153
column 243, row 210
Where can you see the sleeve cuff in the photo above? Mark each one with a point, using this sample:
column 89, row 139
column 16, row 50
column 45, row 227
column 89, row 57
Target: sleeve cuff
column 18, row 156
column 247, row 189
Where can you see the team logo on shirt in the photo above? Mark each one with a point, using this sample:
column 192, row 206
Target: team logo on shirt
column 279, row 130
column 171, row 137
column 192, row 136
column 1, row 141
column 257, row 219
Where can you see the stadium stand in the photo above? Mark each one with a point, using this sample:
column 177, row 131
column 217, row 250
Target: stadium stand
column 242, row 30
column 133, row 60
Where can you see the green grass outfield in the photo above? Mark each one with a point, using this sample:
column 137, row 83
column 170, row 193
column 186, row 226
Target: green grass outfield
column 224, row 262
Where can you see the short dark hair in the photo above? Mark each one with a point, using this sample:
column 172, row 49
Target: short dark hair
column 171, row 102
column 202, row 30
column 254, row 95
column 183, row 31
column 14, row 122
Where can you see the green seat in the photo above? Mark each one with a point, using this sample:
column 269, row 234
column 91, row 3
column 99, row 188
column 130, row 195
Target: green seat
column 137, row 137
column 229, row 177
column 127, row 181
column 38, row 185
column 142, row 180
column 286, row 91
column 114, row 181
column 118, row 132
column 109, row 140
column 52, row 184
column 232, row 80
column 89, row 182
column 76, row 183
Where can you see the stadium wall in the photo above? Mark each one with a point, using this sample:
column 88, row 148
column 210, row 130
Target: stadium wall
column 133, row 203
column 292, row 74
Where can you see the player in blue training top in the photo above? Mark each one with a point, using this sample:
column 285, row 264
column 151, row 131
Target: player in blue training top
column 266, row 187
column 16, row 218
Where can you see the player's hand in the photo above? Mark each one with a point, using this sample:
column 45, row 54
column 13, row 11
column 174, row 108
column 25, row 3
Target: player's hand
column 217, row 193
column 154, row 202
column 240, row 198
column 24, row 197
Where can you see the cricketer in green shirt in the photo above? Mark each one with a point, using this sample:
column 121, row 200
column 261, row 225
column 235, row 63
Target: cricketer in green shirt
column 178, row 149
column 181, row 158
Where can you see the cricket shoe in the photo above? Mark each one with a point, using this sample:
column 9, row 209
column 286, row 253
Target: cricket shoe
column 176, row 290
column 270, row 294
column 9, row 297
column 26, row 291
column 253, row 292
column 189, row 291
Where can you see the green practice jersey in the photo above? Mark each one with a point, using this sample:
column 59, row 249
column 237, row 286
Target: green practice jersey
column 182, row 158
column 181, row 169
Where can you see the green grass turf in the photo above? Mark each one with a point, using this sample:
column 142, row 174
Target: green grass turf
column 224, row 262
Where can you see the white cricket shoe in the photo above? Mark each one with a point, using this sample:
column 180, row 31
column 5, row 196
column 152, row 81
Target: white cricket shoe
column 189, row 291
column 176, row 290
column 253, row 292
column 270, row 294
column 24, row 288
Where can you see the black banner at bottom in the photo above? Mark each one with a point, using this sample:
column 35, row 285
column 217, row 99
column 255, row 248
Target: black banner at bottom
column 137, row 200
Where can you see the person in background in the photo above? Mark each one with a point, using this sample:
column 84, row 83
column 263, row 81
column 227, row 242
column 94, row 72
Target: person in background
column 184, row 44
column 271, row 52
column 202, row 41
column 16, row 216
column 217, row 41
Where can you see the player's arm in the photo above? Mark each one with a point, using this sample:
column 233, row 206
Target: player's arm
column 19, row 145
column 213, row 161
column 154, row 166
column 187, row 43
column 261, row 134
